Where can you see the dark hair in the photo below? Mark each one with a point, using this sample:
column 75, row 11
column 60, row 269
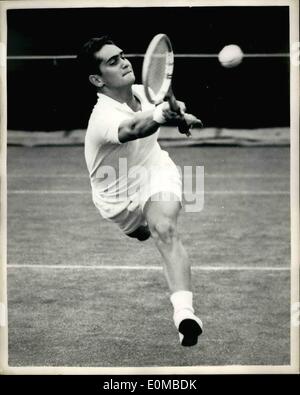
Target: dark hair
column 86, row 57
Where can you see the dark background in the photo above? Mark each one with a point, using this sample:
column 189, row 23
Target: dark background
column 50, row 94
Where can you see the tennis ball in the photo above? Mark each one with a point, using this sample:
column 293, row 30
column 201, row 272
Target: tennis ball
column 230, row 56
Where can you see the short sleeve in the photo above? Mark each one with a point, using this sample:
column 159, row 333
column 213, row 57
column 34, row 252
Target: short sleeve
column 111, row 130
column 106, row 130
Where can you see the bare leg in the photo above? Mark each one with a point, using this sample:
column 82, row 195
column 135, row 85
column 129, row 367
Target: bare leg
column 162, row 221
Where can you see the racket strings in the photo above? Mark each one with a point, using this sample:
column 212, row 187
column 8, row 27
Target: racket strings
column 158, row 67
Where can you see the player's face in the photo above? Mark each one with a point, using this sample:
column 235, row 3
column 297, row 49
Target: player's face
column 116, row 71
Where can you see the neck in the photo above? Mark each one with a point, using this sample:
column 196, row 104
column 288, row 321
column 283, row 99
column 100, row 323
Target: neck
column 124, row 95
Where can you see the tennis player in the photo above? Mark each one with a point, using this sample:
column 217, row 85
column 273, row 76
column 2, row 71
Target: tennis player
column 135, row 184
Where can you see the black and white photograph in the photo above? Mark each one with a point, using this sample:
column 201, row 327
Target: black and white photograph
column 149, row 187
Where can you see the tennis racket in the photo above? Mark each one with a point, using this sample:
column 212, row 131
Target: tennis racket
column 157, row 75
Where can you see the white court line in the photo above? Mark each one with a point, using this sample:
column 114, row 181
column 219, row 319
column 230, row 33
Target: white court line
column 188, row 176
column 83, row 192
column 47, row 192
column 240, row 175
column 256, row 193
column 117, row 267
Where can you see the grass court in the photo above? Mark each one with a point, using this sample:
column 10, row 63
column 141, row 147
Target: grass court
column 82, row 294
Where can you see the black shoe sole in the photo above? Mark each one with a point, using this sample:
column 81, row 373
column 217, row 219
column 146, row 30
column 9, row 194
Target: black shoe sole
column 142, row 233
column 190, row 330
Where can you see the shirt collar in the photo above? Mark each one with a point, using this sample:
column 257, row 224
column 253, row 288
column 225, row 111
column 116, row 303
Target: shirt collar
column 117, row 104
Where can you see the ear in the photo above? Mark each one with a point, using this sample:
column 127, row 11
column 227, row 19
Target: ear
column 96, row 80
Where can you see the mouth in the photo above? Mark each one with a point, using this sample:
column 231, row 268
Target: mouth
column 127, row 72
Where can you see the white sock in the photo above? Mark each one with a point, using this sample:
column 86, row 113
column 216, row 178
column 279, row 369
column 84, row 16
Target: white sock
column 182, row 302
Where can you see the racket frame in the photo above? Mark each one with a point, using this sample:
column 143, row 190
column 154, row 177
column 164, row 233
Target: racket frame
column 164, row 90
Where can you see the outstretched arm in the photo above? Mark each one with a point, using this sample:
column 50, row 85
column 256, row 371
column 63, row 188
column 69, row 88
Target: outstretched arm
column 146, row 123
column 142, row 125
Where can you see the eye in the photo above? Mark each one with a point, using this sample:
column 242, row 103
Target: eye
column 113, row 61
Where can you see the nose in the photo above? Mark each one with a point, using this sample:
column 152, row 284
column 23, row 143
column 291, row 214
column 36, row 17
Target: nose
column 125, row 63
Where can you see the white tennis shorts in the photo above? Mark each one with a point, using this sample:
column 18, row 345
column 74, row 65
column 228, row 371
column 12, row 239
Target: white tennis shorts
column 163, row 178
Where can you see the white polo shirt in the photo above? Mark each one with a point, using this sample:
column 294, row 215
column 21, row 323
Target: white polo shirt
column 113, row 165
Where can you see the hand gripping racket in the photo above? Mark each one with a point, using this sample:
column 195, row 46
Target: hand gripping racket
column 157, row 76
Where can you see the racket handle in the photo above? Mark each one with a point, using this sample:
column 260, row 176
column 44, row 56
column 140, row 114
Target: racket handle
column 182, row 125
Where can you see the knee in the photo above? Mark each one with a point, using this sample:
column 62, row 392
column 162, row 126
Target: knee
column 164, row 230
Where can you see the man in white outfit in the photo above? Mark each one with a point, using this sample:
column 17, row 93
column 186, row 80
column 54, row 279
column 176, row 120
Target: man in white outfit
column 134, row 182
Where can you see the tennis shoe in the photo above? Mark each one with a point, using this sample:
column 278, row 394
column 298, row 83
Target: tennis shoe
column 189, row 327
